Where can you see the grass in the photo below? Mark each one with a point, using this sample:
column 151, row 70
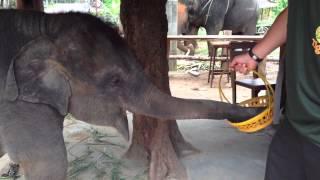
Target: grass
column 99, row 138
column 101, row 163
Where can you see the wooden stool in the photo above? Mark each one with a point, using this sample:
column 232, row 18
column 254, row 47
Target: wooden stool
column 256, row 85
column 215, row 45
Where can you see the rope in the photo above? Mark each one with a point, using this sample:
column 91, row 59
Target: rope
column 261, row 120
column 227, row 7
column 208, row 13
column 269, row 89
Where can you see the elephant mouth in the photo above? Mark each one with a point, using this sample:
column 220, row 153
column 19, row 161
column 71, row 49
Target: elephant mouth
column 101, row 111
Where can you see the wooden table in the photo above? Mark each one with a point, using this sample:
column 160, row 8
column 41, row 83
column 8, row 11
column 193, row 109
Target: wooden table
column 211, row 38
column 215, row 37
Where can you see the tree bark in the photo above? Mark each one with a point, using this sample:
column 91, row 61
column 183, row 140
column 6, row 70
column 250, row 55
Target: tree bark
column 158, row 143
column 30, row 4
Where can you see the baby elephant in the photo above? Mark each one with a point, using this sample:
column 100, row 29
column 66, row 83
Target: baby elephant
column 51, row 65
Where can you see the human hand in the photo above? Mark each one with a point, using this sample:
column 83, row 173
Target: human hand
column 243, row 63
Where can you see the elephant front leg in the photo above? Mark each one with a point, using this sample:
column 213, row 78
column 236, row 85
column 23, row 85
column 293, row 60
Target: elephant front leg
column 36, row 144
column 40, row 155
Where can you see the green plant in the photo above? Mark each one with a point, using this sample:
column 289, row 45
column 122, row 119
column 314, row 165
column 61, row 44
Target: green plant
column 281, row 4
column 110, row 11
column 275, row 11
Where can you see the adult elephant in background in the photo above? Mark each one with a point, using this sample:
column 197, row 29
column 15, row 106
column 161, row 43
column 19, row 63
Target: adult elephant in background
column 240, row 16
column 74, row 63
column 185, row 46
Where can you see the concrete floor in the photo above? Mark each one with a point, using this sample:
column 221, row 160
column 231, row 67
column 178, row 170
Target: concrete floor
column 226, row 154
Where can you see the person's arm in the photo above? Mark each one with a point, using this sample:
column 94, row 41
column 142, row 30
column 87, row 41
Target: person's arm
column 275, row 37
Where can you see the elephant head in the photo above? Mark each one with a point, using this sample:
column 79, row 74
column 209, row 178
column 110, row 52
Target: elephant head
column 197, row 11
column 42, row 73
column 88, row 70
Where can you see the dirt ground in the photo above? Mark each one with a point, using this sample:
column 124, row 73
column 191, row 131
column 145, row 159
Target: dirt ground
column 95, row 153
column 183, row 84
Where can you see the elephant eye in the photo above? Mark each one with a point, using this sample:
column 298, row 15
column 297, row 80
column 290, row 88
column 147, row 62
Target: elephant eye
column 114, row 81
column 111, row 80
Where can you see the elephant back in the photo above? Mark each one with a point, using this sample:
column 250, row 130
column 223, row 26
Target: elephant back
column 16, row 29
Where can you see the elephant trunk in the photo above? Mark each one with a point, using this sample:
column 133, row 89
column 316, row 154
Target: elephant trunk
column 152, row 102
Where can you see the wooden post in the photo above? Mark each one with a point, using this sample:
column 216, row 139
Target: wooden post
column 172, row 16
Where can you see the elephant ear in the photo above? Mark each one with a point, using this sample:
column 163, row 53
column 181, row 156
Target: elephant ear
column 35, row 76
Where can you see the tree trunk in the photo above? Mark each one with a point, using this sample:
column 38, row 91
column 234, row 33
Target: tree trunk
column 145, row 28
column 30, row 4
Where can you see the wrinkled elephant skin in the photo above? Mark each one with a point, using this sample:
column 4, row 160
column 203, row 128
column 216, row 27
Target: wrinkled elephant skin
column 51, row 65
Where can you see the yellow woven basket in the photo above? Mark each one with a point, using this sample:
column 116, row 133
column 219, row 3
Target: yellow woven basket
column 263, row 119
